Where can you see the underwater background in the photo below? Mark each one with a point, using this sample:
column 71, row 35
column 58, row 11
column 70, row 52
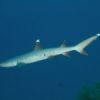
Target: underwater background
column 51, row 21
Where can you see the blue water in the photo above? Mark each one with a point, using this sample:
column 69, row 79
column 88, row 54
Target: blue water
column 52, row 21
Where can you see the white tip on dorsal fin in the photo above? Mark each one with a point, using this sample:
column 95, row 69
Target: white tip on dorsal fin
column 37, row 40
column 37, row 45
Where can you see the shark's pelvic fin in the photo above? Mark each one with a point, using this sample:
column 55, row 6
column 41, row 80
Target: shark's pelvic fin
column 66, row 54
column 81, row 46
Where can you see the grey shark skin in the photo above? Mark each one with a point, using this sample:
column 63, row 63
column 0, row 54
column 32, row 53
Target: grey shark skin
column 41, row 54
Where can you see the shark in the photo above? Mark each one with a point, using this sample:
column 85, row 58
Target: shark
column 39, row 54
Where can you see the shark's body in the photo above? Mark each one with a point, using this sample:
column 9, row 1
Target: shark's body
column 41, row 54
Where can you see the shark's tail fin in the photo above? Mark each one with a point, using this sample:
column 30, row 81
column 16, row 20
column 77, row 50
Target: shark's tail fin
column 81, row 46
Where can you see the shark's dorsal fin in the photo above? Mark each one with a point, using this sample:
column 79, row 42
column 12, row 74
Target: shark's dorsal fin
column 37, row 45
column 64, row 44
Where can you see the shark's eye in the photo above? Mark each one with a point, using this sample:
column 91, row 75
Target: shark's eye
column 44, row 54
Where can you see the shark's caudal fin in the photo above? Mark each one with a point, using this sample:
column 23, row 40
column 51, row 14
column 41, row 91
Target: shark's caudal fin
column 81, row 46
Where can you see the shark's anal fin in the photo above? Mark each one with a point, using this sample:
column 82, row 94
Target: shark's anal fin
column 37, row 45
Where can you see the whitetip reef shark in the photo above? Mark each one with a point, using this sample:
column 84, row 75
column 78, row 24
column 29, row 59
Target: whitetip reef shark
column 39, row 54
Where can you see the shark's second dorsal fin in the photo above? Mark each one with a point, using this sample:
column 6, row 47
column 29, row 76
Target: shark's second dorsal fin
column 63, row 44
column 37, row 45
